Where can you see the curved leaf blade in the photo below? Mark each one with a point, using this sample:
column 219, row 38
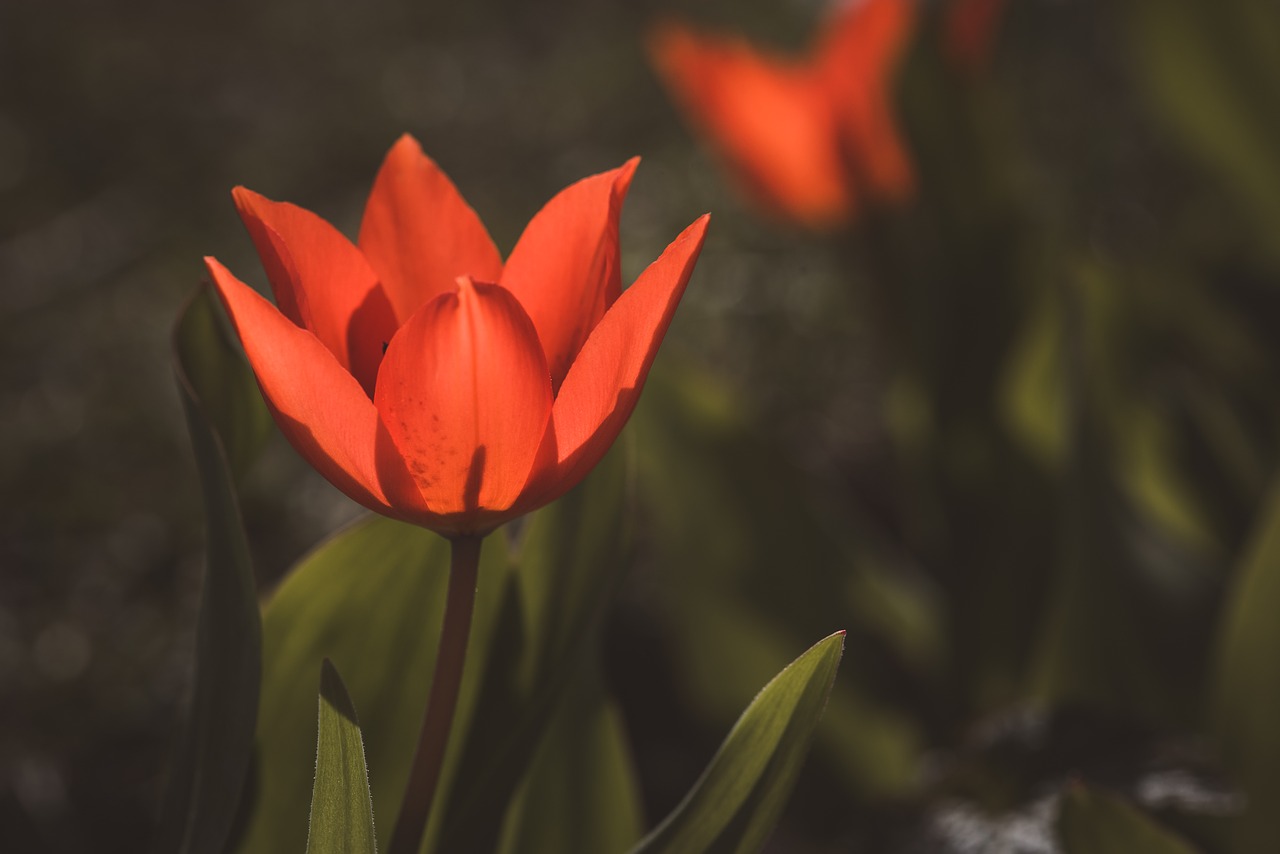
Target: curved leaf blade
column 738, row 799
column 580, row 795
column 212, row 760
column 371, row 600
column 1246, row 700
column 341, row 806
column 211, row 367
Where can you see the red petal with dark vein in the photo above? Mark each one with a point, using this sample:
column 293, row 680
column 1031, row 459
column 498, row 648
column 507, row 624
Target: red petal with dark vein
column 465, row 394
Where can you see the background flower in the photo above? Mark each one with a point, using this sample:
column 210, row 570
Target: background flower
column 811, row 137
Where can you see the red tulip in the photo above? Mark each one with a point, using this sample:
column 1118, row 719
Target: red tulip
column 428, row 380
column 808, row 138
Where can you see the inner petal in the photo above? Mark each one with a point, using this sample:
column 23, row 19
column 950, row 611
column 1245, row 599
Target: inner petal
column 465, row 394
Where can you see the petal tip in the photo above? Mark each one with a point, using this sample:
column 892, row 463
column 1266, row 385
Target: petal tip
column 214, row 266
column 628, row 169
column 249, row 203
column 407, row 140
column 407, row 150
column 242, row 195
column 697, row 230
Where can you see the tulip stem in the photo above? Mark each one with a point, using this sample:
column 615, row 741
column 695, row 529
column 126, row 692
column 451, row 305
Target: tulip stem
column 464, row 564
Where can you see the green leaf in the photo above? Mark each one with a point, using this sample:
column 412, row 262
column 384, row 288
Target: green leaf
column 736, row 802
column 211, row 366
column 1091, row 822
column 341, row 807
column 370, row 599
column 708, row 480
column 1212, row 71
column 580, row 795
column 1246, row 701
column 212, row 759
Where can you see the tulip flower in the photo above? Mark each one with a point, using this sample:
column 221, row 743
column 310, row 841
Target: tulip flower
column 807, row 138
column 434, row 383
column 428, row 380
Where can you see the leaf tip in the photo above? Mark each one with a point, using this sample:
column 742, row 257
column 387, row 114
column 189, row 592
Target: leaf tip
column 334, row 692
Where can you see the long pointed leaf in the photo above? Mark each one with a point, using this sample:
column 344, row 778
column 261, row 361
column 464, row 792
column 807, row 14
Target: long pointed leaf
column 212, row 760
column 739, row 798
column 341, row 807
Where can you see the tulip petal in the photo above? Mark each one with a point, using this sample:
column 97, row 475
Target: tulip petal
column 604, row 383
column 565, row 268
column 319, row 407
column 856, row 62
column 321, row 281
column 767, row 117
column 465, row 394
column 419, row 234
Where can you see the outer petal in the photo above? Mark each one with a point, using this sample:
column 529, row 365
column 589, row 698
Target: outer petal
column 465, row 395
column 565, row 269
column 318, row 406
column 856, row 61
column 768, row 118
column 418, row 233
column 321, row 281
column 604, row 383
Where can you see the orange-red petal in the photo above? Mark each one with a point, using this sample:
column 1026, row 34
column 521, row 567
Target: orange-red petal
column 565, row 268
column 319, row 407
column 856, row 61
column 419, row 234
column 465, row 395
column 604, row 383
column 321, row 281
column 766, row 116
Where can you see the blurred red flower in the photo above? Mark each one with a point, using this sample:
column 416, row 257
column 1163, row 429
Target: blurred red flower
column 808, row 138
column 970, row 30
column 428, row 380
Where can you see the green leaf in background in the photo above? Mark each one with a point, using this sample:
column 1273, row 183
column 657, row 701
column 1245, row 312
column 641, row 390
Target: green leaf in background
column 1246, row 698
column 1213, row 71
column 1092, row 822
column 341, row 809
column 580, row 795
column 736, row 802
column 708, row 481
column 212, row 759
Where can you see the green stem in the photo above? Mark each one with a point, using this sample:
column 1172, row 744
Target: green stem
column 464, row 564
